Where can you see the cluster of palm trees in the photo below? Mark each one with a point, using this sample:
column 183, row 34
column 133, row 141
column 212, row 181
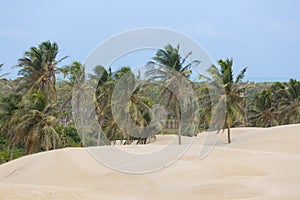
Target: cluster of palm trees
column 36, row 109
column 28, row 106
column 277, row 105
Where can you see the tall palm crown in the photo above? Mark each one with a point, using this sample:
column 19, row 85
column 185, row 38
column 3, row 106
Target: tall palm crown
column 39, row 68
column 170, row 57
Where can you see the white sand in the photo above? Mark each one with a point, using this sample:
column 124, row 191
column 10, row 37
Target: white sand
column 259, row 164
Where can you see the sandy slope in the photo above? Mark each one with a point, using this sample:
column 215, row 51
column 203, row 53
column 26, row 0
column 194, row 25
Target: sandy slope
column 259, row 164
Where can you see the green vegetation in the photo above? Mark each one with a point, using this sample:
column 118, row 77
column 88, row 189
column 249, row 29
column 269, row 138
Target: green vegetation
column 36, row 109
column 233, row 93
column 169, row 59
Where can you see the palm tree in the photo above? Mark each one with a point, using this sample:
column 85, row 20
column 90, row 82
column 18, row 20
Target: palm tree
column 79, row 91
column 135, row 106
column 138, row 107
column 104, row 81
column 166, row 59
column 265, row 113
column 234, row 90
column 36, row 123
column 39, row 68
column 289, row 104
column 73, row 73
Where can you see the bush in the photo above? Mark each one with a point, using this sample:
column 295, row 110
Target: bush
column 4, row 157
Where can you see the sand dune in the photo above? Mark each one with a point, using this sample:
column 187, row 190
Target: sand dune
column 259, row 164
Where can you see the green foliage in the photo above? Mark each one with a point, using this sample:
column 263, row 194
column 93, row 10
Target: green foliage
column 277, row 104
column 168, row 68
column 4, row 157
column 68, row 135
column 5, row 151
column 36, row 111
column 138, row 108
column 289, row 103
column 264, row 113
column 35, row 123
column 223, row 79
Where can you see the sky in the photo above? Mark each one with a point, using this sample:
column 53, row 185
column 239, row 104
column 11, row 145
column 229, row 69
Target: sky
column 263, row 35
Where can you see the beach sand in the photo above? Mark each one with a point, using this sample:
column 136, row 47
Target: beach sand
column 260, row 163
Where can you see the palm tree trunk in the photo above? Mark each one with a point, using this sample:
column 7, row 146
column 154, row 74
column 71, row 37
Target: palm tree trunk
column 12, row 151
column 53, row 141
column 61, row 108
column 53, row 85
column 99, row 137
column 228, row 133
column 128, row 139
column 47, row 142
column 81, row 120
column 178, row 122
column 82, row 133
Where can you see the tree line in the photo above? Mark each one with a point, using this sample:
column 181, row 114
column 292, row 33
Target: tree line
column 36, row 112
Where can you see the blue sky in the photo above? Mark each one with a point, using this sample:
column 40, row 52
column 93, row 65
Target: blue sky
column 261, row 35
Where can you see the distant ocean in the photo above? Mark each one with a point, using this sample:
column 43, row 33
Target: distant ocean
column 262, row 79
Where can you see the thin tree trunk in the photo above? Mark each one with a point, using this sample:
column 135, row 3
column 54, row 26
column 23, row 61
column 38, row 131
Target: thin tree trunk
column 82, row 133
column 81, row 121
column 178, row 123
column 8, row 147
column 47, row 142
column 61, row 108
column 128, row 139
column 12, row 151
column 99, row 137
column 53, row 142
column 228, row 133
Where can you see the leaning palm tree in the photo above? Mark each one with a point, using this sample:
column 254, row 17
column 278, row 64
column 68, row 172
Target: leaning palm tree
column 264, row 114
column 39, row 67
column 234, row 89
column 165, row 60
